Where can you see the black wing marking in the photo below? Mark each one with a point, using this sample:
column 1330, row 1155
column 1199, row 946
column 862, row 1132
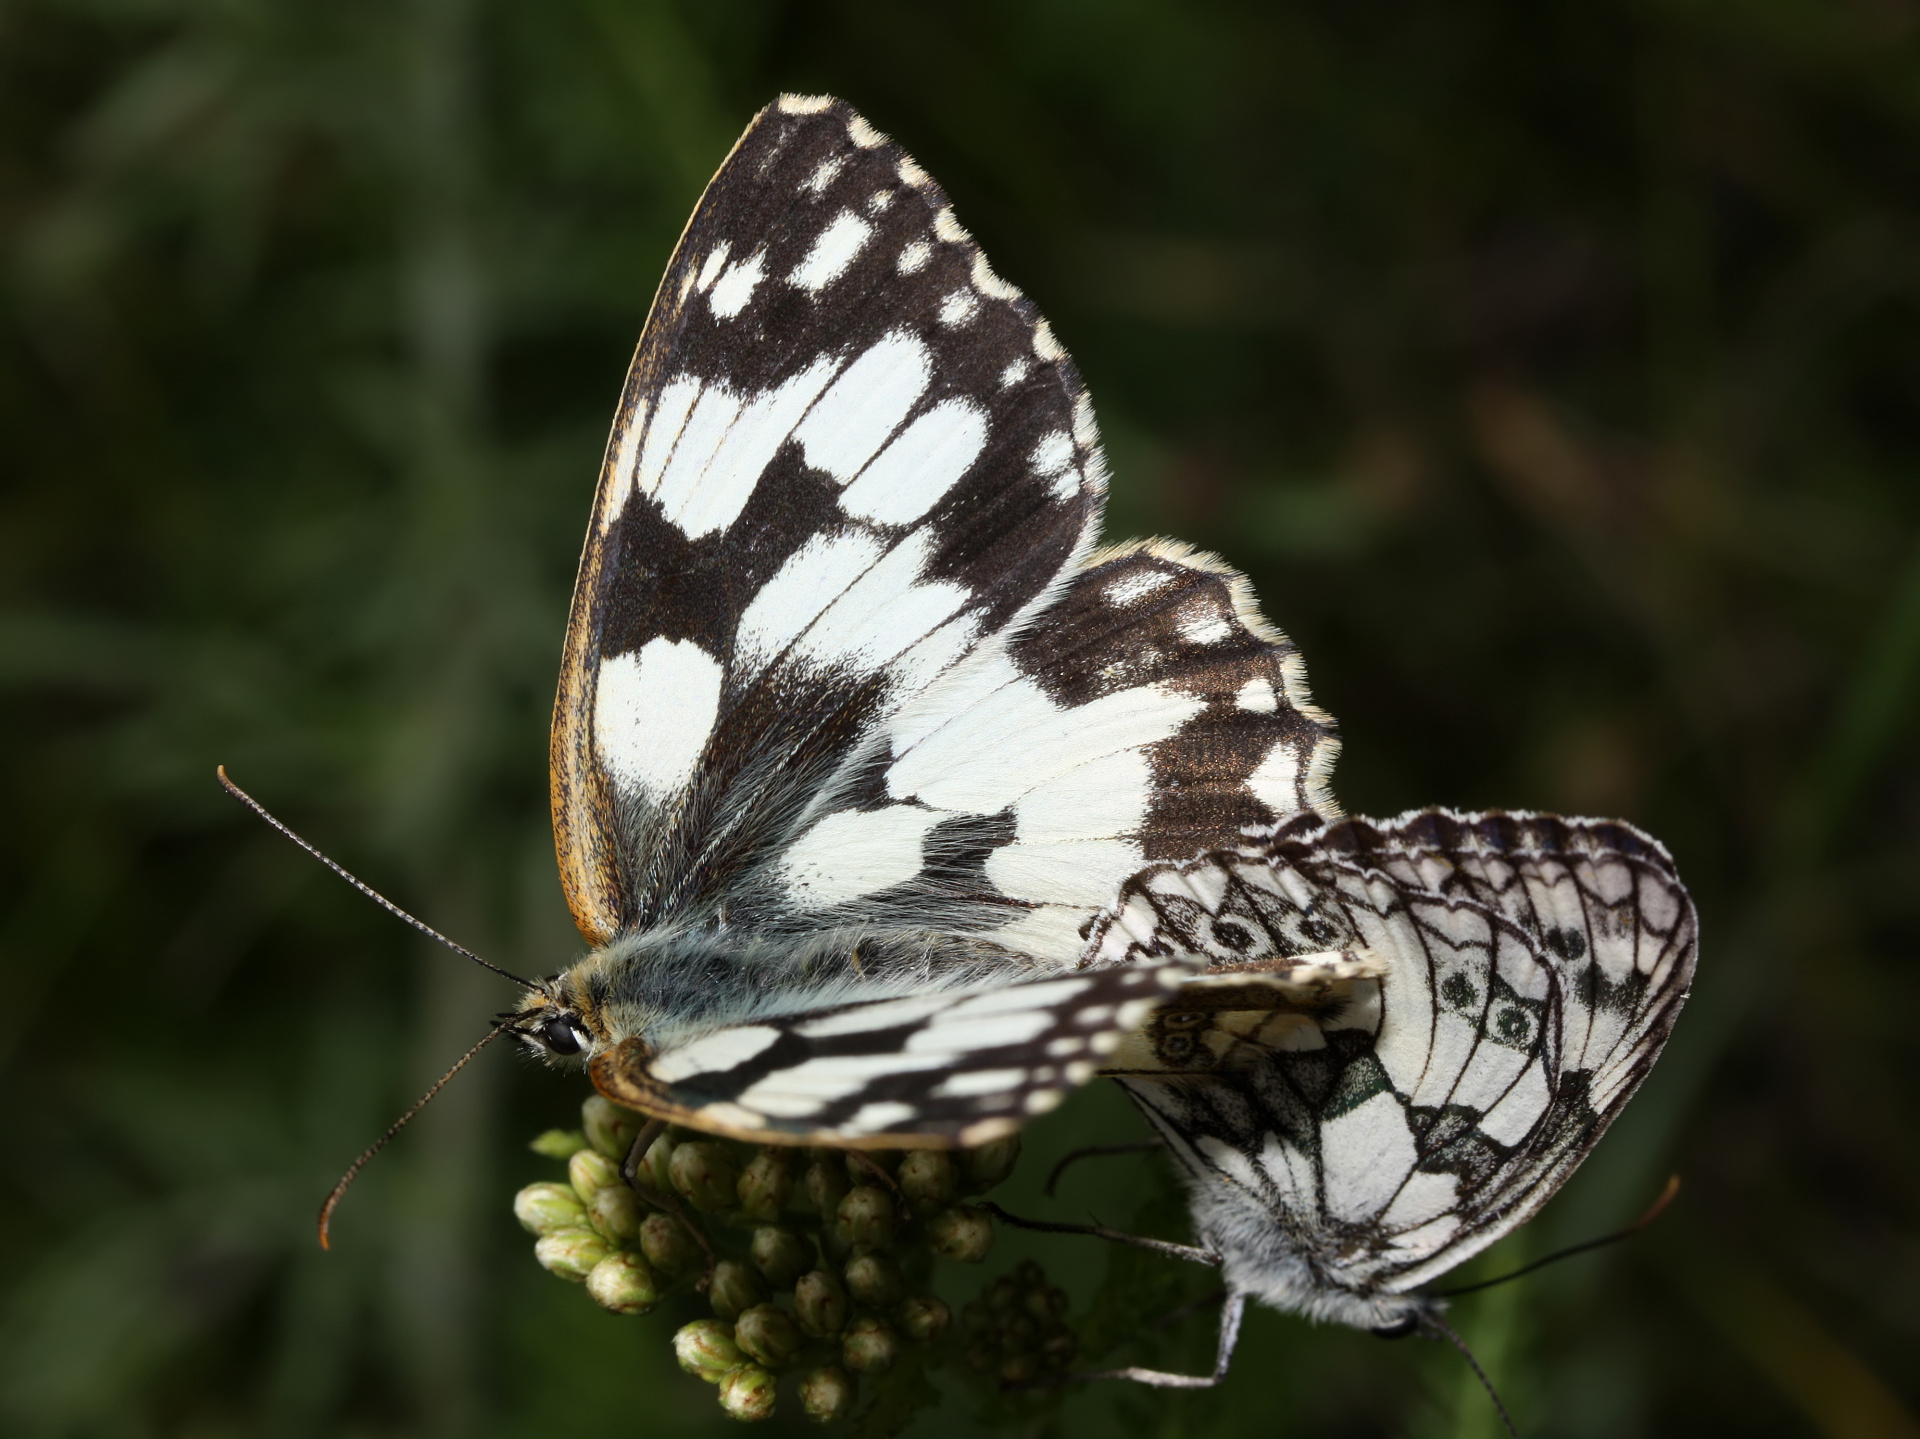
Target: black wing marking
column 929, row 1070
column 1256, row 750
column 1391, row 1136
column 846, row 451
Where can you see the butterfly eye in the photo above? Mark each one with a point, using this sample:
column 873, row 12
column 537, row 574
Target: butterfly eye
column 562, row 1036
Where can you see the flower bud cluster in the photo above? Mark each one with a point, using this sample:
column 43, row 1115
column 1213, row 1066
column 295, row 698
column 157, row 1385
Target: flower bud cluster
column 1016, row 1331
column 590, row 1228
column 814, row 1262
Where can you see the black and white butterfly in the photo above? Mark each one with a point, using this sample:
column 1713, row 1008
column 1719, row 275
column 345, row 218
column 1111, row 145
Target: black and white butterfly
column 857, row 730
column 1409, row 1035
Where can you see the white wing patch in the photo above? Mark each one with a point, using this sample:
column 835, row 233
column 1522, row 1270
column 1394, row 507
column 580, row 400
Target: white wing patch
column 919, row 465
column 866, row 404
column 734, row 290
column 653, row 713
column 721, row 1050
column 964, row 760
column 842, row 240
column 726, row 447
column 811, row 580
column 857, row 852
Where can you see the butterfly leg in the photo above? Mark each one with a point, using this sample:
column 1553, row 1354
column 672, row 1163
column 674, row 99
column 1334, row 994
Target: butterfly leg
column 630, row 1171
column 1230, row 1315
column 858, row 1159
column 1118, row 1236
column 1095, row 1151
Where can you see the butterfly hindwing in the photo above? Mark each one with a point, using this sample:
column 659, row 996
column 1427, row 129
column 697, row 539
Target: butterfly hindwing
column 1148, row 712
column 1436, row 1100
column 1597, row 894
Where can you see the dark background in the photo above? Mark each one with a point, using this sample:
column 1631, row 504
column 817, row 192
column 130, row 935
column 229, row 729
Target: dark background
column 1551, row 367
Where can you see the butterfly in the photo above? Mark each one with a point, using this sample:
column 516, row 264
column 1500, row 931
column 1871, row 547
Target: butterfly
column 857, row 731
column 1409, row 1034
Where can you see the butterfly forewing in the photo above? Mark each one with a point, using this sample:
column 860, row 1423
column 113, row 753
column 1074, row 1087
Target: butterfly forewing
column 1428, row 1106
column 845, row 452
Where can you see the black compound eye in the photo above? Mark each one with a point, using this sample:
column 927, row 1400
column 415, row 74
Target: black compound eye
column 559, row 1035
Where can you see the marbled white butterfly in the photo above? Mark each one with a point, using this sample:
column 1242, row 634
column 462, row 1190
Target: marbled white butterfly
column 856, row 730
column 1479, row 997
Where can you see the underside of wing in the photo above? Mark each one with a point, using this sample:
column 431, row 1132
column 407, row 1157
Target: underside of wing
column 1391, row 1136
column 1602, row 898
column 932, row 1070
column 846, row 452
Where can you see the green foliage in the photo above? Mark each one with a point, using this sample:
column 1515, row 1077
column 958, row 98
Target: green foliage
column 1552, row 369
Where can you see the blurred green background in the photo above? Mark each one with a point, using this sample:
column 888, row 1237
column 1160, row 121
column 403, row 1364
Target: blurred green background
column 1553, row 368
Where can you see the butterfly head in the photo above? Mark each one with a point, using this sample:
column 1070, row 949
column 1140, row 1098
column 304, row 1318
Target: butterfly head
column 560, row 1021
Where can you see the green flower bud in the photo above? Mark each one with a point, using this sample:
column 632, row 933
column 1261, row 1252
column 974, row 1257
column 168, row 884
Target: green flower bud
column 571, row 1253
column 589, row 1172
column 923, row 1319
column 834, row 1242
column 748, row 1392
column 559, row 1143
column 668, row 1246
column 827, row 1393
column 870, row 1346
column 1057, row 1350
column 929, row 1179
column 825, row 1184
column 624, row 1283
column 1003, row 1295
column 653, row 1172
column 1019, row 1368
column 543, row 1208
column 768, row 1333
column 780, row 1254
column 615, row 1211
column 962, row 1233
column 1047, row 1304
column 609, row 1128
column 866, row 1215
column 705, row 1175
column 766, row 1184
column 820, row 1303
column 736, row 1288
column 706, row 1349
column 875, row 1280
column 990, row 1163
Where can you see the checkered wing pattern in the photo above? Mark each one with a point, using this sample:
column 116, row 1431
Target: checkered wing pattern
column 944, row 1067
column 1511, row 981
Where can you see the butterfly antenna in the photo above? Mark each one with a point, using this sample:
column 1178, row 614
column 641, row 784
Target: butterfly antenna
column 1654, row 1211
column 368, row 890
column 1447, row 1331
column 353, row 1169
